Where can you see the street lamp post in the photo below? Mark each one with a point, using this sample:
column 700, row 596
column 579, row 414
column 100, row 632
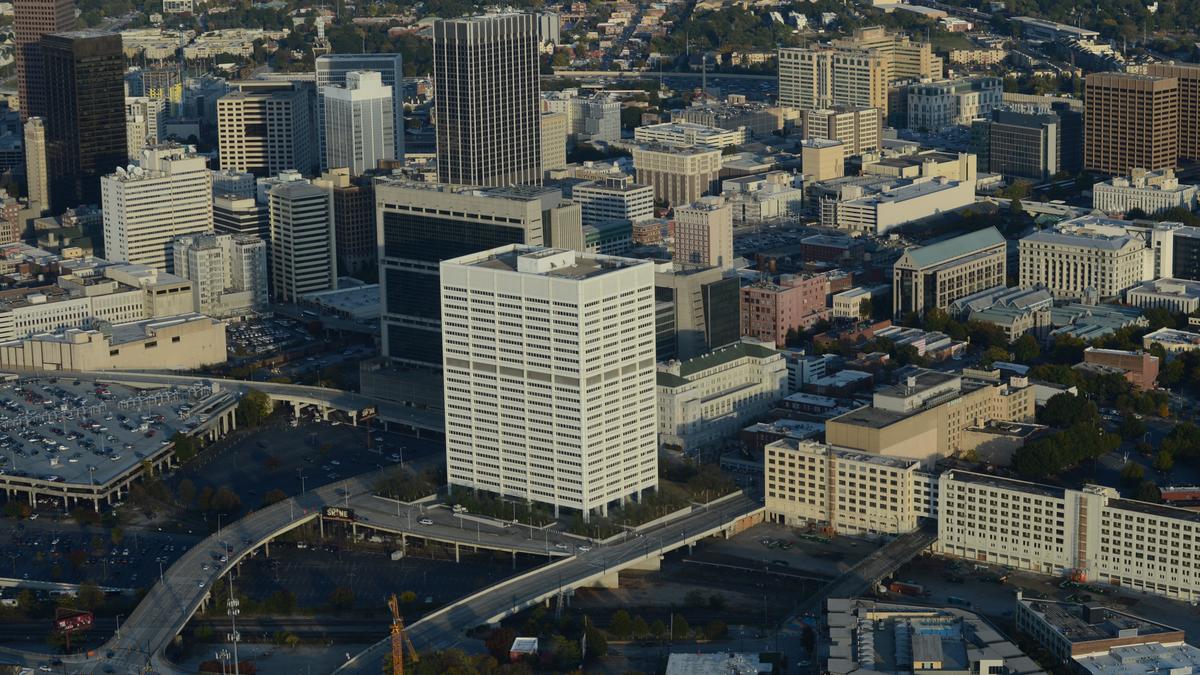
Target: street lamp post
column 233, row 635
column 118, row 627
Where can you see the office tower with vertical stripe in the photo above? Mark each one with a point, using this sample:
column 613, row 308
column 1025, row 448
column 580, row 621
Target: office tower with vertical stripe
column 487, row 100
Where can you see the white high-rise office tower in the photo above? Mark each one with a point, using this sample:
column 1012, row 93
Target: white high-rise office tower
column 359, row 124
column 167, row 194
column 303, row 247
column 266, row 127
column 487, row 100
column 332, row 70
column 228, row 272
column 549, row 370
column 818, row 78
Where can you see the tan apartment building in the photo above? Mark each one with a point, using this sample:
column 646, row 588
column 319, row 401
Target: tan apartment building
column 926, row 416
column 822, row 158
column 704, row 234
column 678, row 175
column 934, row 276
column 905, row 59
column 1091, row 534
column 1188, row 77
column 859, row 129
column 844, row 491
column 820, row 77
column 1130, row 120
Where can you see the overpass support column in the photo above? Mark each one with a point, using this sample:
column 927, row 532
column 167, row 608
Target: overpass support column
column 267, row 548
column 354, row 417
column 610, row 580
column 457, row 557
column 324, row 413
column 321, row 526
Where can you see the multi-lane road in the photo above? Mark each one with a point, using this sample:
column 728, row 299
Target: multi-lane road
column 445, row 628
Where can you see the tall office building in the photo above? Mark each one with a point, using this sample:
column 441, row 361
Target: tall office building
column 678, row 175
column 616, row 197
column 819, row 78
column 267, row 128
column 145, row 119
column 31, row 20
column 353, row 220
column 36, row 170
column 1188, row 77
column 1130, row 121
column 562, row 410
column 859, row 129
column 704, row 234
column 167, row 194
column 1024, row 142
column 85, row 113
column 303, row 255
column 421, row 224
column 332, row 69
column 487, row 100
column 905, row 59
column 233, row 214
column 228, row 272
column 554, row 140
column 360, row 126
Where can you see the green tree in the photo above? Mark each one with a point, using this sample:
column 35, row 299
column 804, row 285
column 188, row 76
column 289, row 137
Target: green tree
column 1164, row 461
column 185, row 446
column 1148, row 492
column 1063, row 410
column 715, row 629
column 866, row 308
column 1131, row 428
column 226, row 501
column 640, row 628
column 186, row 491
column 597, row 644
column 680, row 630
column 658, row 629
column 1133, row 474
column 621, row 624
column 254, row 407
column 1025, row 349
column 117, row 535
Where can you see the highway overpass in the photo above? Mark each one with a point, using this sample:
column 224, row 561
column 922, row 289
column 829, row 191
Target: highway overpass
column 184, row 587
column 444, row 628
column 299, row 396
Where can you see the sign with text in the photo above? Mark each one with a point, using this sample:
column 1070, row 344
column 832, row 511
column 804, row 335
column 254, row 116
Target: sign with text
column 338, row 513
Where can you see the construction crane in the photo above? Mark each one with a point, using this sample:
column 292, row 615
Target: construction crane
column 399, row 639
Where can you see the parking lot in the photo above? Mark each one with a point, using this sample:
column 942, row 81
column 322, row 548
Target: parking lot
column 282, row 457
column 69, row 553
column 261, row 337
column 84, row 431
column 313, row 572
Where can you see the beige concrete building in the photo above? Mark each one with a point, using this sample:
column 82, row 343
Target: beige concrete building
column 1091, row 533
column 859, row 129
column 174, row 343
column 904, row 58
column 678, row 175
column 690, row 133
column 36, row 163
column 554, row 140
column 925, row 417
column 933, row 164
column 845, row 491
column 707, row 399
column 1131, row 120
column 704, row 234
column 1149, row 191
column 819, row 78
column 934, row 276
column 823, row 159
column 1090, row 254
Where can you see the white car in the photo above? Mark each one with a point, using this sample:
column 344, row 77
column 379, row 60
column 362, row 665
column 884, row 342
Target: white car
column 561, row 546
column 583, row 549
column 426, row 521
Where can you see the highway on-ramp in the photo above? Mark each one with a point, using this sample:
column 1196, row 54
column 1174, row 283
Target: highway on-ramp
column 445, row 628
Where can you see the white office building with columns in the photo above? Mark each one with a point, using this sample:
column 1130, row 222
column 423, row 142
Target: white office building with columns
column 549, row 371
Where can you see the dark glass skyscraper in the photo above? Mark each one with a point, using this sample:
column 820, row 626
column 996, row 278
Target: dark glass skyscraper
column 31, row 20
column 487, row 98
column 85, row 113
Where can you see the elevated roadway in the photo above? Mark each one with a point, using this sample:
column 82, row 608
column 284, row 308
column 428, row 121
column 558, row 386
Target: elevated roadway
column 444, row 628
column 184, row 588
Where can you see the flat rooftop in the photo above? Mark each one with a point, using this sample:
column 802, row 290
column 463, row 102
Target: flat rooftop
column 554, row 262
column 1013, row 485
column 1086, row 623
column 85, row 431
